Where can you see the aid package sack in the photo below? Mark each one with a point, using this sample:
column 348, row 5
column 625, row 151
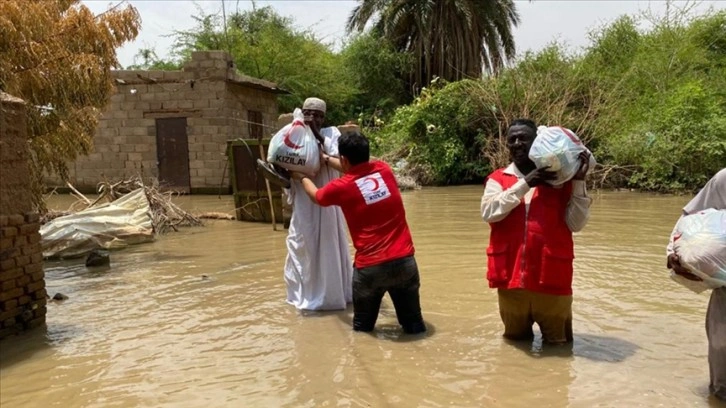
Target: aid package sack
column 700, row 243
column 559, row 148
column 294, row 147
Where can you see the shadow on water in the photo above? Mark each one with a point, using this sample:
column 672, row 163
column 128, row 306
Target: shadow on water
column 603, row 348
column 589, row 346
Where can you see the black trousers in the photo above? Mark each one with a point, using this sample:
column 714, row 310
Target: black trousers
column 401, row 280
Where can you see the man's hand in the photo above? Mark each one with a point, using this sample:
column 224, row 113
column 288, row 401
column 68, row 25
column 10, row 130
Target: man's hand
column 539, row 176
column 584, row 166
column 675, row 263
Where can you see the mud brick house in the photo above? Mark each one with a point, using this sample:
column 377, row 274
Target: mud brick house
column 174, row 125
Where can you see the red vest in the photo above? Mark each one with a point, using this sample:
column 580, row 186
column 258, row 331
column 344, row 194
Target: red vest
column 532, row 250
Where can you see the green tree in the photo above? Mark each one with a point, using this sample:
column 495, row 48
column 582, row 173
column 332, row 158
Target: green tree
column 450, row 39
column 649, row 103
column 146, row 58
column 378, row 72
column 268, row 46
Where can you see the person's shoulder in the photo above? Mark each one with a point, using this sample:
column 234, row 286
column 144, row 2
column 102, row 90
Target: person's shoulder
column 720, row 177
column 498, row 172
column 330, row 131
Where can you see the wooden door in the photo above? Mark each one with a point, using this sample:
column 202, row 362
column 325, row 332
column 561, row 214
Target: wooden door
column 172, row 153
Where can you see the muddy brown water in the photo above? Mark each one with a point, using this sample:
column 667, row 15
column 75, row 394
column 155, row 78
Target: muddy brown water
column 153, row 332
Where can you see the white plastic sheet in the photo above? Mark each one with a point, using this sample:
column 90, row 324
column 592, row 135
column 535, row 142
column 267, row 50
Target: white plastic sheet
column 559, row 149
column 294, row 147
column 700, row 243
column 126, row 221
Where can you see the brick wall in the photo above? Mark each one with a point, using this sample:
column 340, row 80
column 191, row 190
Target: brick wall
column 22, row 280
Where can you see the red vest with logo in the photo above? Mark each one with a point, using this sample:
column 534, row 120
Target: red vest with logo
column 532, row 249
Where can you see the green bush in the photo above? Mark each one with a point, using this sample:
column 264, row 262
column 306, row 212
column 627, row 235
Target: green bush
column 650, row 104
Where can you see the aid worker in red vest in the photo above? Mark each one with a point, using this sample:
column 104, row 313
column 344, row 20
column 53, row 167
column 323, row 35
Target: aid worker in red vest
column 530, row 253
column 371, row 202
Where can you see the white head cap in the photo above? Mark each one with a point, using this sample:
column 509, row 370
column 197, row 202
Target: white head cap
column 314, row 104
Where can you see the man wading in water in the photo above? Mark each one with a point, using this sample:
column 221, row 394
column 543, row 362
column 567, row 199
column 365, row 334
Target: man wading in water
column 370, row 199
column 713, row 195
column 530, row 253
column 318, row 269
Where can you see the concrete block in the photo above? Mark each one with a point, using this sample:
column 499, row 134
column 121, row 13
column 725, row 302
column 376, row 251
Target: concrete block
column 149, row 156
column 201, row 104
column 185, row 104
column 120, row 114
column 134, row 157
column 119, row 140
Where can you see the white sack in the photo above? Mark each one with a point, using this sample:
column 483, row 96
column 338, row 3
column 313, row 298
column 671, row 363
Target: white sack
column 700, row 243
column 294, row 147
column 559, row 148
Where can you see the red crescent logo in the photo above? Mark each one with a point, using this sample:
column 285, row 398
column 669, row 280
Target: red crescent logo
column 375, row 182
column 287, row 140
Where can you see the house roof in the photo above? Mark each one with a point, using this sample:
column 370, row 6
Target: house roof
column 256, row 83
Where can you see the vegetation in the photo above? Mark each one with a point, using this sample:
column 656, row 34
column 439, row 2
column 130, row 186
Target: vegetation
column 449, row 39
column 57, row 56
column 650, row 104
column 268, row 46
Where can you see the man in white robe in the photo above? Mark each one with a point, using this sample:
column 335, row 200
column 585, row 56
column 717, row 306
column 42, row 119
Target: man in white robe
column 318, row 268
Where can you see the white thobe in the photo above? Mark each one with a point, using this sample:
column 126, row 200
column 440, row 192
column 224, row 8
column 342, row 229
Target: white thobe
column 318, row 268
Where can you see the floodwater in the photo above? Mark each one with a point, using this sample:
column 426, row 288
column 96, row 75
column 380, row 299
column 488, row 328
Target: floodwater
column 198, row 319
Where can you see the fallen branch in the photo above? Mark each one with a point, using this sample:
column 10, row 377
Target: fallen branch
column 215, row 216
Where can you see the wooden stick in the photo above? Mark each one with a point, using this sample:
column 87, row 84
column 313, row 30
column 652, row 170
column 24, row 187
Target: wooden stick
column 269, row 190
column 68, row 183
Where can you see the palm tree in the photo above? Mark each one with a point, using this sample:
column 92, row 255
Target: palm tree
column 450, row 39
